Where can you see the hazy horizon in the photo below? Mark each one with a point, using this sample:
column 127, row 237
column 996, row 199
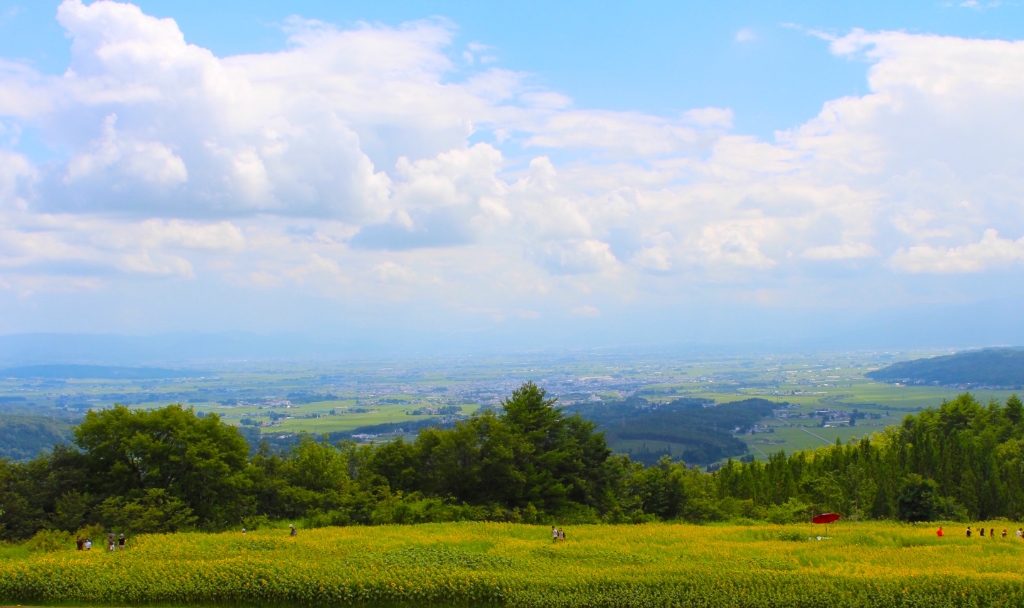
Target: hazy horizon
column 215, row 350
column 417, row 177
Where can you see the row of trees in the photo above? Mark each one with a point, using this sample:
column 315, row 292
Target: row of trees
column 167, row 469
column 961, row 461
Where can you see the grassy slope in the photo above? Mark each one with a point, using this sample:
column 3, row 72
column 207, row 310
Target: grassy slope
column 517, row 565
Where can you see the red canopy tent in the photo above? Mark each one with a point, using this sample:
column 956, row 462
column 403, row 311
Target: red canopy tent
column 826, row 519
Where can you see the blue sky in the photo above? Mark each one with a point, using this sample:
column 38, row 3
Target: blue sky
column 471, row 175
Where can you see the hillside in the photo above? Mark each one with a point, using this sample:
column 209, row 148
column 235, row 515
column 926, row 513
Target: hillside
column 991, row 367
column 26, row 436
column 696, row 431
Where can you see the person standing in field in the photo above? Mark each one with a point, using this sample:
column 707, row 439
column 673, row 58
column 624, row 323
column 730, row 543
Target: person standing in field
column 991, row 533
column 1020, row 533
column 968, row 531
column 121, row 540
column 292, row 531
column 939, row 532
column 554, row 534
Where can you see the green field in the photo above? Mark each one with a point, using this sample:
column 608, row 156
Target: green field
column 346, row 420
column 810, row 388
column 472, row 564
column 322, row 399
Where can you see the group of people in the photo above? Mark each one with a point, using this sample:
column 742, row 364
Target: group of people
column 981, row 532
column 557, row 534
column 113, row 542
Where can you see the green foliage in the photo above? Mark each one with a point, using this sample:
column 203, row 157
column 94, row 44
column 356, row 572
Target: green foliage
column 93, row 531
column 695, row 430
column 200, row 461
column 21, row 436
column 255, row 522
column 71, row 510
column 22, row 499
column 50, row 540
column 151, row 510
column 962, row 460
column 918, row 499
column 791, row 511
column 170, row 470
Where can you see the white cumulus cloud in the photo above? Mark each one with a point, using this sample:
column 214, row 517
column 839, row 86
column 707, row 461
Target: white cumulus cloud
column 991, row 251
column 389, row 161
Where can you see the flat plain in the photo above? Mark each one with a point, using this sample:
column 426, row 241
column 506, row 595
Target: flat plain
column 822, row 397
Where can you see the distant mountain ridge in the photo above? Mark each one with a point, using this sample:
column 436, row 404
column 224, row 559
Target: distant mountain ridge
column 158, row 350
column 990, row 367
column 95, row 372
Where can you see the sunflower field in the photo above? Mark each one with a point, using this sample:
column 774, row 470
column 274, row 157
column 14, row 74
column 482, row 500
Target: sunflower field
column 482, row 564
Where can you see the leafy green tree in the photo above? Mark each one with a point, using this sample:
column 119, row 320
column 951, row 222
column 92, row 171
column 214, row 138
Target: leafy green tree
column 71, row 510
column 1010, row 476
column 200, row 461
column 560, row 459
column 531, row 413
column 396, row 461
column 663, row 489
column 266, row 483
column 23, row 498
column 918, row 499
column 317, row 466
column 315, row 478
column 824, row 493
column 150, row 510
column 1014, row 410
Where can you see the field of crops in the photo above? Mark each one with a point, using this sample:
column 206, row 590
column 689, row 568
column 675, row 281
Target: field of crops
column 472, row 564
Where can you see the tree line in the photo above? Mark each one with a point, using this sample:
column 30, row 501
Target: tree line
column 168, row 469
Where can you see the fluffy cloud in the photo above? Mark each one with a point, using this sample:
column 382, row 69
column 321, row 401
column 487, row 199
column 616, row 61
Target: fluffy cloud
column 16, row 177
column 845, row 251
column 65, row 246
column 215, row 236
column 620, row 132
column 736, row 244
column 576, row 257
column 115, row 159
column 364, row 163
column 991, row 251
column 24, row 93
column 447, row 200
column 587, row 311
column 745, row 35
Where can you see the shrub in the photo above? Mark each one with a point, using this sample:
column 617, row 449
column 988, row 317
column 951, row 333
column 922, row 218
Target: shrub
column 51, row 540
column 791, row 511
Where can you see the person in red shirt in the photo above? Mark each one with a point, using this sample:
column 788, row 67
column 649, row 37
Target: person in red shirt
column 939, row 532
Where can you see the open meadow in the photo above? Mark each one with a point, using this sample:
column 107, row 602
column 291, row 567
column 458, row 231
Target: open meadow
column 471, row 564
